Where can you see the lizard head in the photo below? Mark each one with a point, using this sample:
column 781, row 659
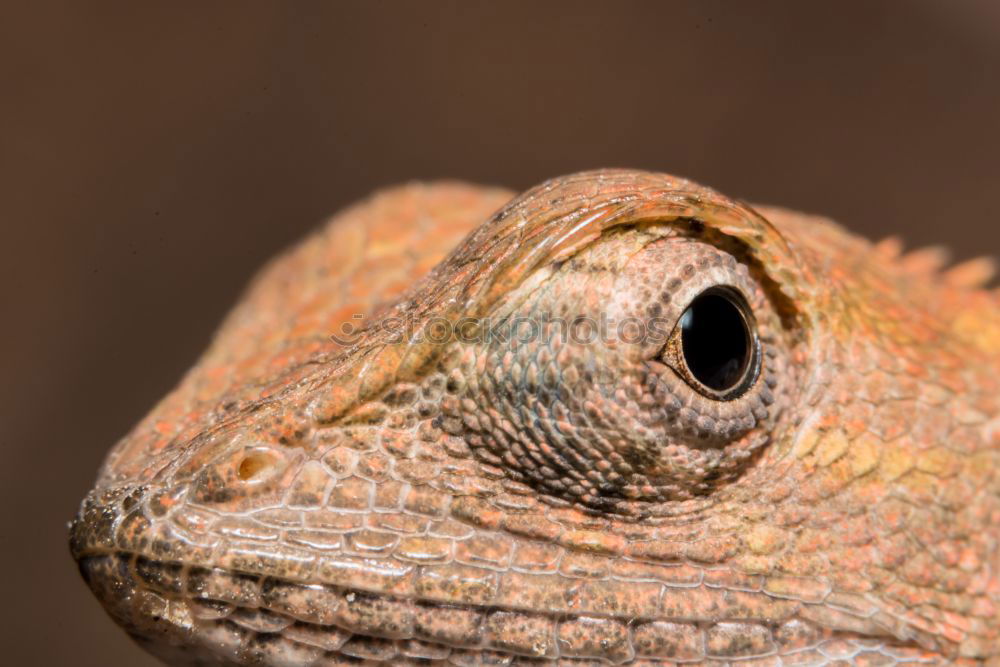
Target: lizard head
column 625, row 419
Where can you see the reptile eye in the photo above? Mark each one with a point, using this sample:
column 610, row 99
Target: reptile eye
column 626, row 423
column 715, row 346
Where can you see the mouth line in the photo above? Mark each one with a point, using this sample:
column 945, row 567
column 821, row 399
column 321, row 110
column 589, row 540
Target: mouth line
column 246, row 617
column 160, row 585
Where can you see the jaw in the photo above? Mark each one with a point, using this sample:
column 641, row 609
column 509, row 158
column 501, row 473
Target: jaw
column 256, row 626
column 232, row 601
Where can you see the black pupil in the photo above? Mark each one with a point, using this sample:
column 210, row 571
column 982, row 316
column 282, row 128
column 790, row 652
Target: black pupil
column 715, row 341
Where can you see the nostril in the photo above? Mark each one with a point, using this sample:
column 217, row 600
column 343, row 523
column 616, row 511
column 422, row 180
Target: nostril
column 253, row 465
column 239, row 473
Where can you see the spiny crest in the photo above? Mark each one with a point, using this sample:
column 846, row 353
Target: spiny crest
column 932, row 261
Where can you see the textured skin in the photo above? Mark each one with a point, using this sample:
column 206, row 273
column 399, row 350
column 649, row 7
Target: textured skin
column 408, row 499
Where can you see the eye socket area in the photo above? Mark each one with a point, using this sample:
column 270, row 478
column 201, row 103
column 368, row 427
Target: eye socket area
column 715, row 347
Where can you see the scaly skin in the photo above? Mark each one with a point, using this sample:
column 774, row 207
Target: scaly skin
column 546, row 499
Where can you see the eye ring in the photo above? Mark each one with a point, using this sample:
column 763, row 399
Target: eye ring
column 714, row 346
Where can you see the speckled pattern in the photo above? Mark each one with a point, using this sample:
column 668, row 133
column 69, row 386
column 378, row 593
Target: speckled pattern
column 410, row 499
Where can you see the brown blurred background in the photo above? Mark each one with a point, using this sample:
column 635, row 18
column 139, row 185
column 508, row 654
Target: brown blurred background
column 153, row 154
